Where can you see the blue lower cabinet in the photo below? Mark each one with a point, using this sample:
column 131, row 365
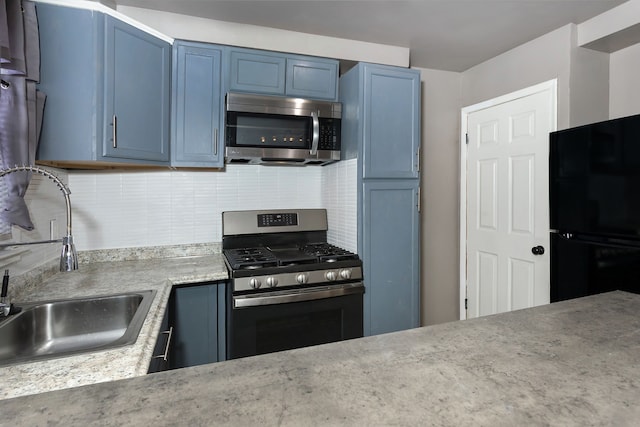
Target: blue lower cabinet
column 162, row 348
column 198, row 319
column 391, row 255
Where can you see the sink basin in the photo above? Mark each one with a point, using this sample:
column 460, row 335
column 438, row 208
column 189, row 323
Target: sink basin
column 64, row 327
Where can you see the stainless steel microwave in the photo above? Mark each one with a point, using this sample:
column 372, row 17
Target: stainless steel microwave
column 275, row 130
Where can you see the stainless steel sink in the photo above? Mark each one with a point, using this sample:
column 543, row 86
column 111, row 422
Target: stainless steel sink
column 64, row 327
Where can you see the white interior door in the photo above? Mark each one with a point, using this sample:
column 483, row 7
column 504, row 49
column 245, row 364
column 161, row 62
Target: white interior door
column 507, row 203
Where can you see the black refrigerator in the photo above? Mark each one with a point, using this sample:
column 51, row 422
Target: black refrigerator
column 595, row 208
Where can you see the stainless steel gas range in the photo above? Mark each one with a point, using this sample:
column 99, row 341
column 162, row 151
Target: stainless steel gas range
column 289, row 288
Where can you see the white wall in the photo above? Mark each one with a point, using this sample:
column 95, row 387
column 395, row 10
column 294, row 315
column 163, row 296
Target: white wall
column 537, row 61
column 624, row 91
column 589, row 85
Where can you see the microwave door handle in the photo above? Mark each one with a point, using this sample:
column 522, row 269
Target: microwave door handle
column 316, row 133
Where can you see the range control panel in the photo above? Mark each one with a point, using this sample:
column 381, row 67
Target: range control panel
column 237, row 223
column 277, row 219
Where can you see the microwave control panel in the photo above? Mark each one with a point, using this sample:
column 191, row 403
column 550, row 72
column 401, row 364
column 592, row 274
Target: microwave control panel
column 329, row 134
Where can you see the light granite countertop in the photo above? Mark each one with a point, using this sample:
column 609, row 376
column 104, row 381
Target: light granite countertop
column 569, row 363
column 105, row 278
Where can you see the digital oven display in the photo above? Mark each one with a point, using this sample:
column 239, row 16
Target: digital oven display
column 277, row 219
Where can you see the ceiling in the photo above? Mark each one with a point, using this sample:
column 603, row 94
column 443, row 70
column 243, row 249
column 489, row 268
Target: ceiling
column 451, row 35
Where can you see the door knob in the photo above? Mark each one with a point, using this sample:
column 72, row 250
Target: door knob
column 537, row 250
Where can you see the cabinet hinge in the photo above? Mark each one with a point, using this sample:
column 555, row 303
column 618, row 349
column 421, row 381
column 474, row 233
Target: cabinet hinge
column 466, row 137
column 419, row 199
column 466, row 305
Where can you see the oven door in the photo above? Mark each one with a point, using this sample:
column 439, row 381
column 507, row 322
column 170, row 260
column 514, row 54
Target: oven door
column 284, row 320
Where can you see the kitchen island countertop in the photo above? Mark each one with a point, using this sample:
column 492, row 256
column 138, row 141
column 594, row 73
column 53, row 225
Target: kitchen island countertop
column 570, row 363
column 106, row 278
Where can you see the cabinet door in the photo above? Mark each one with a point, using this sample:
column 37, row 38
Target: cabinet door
column 312, row 78
column 137, row 93
column 390, row 250
column 391, row 122
column 197, row 138
column 163, row 344
column 72, row 119
column 198, row 321
column 257, row 72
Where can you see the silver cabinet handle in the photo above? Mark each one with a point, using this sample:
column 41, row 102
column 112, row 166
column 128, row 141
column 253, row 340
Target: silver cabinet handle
column 316, row 133
column 215, row 142
column 166, row 348
column 114, row 124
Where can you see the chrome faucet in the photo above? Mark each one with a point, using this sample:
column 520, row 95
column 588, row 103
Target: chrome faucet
column 68, row 257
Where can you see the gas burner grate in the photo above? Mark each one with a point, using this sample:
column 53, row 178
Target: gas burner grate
column 250, row 258
column 326, row 252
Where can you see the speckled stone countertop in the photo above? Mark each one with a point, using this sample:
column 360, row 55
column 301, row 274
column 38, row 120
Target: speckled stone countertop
column 570, row 363
column 105, row 278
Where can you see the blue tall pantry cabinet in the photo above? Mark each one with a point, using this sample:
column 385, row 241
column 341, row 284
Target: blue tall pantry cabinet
column 381, row 128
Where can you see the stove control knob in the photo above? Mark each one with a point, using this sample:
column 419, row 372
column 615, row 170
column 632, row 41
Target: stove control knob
column 272, row 282
column 345, row 274
column 331, row 276
column 302, row 278
column 254, row 283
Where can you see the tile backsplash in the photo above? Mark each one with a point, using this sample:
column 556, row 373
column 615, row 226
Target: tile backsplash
column 130, row 209
column 118, row 209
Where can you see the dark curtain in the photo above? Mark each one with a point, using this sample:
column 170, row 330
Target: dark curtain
column 21, row 105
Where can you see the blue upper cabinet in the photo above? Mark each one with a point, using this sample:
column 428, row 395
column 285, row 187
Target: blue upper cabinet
column 197, row 138
column 137, row 93
column 274, row 73
column 108, row 89
column 385, row 128
column 392, row 122
column 308, row 78
column 257, row 72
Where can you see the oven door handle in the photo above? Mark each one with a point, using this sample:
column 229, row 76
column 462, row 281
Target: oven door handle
column 308, row 294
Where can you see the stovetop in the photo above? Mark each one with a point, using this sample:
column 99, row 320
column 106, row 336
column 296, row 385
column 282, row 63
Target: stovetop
column 281, row 249
column 283, row 256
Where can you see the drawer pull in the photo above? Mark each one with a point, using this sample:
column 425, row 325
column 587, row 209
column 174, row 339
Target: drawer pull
column 166, row 348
